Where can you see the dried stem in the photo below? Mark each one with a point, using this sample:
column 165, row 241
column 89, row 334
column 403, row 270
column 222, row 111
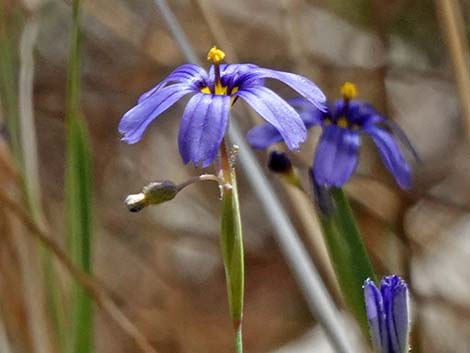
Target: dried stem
column 100, row 296
column 452, row 24
column 4, row 341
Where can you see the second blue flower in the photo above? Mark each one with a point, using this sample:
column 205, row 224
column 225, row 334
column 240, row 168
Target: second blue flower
column 337, row 153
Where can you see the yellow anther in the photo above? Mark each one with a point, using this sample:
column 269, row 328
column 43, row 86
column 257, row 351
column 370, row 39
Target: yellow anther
column 349, row 90
column 215, row 55
column 342, row 122
column 220, row 90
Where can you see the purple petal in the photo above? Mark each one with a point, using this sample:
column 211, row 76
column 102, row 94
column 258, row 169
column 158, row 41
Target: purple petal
column 376, row 316
column 302, row 85
column 391, row 156
column 263, row 136
column 136, row 120
column 395, row 296
column 202, row 128
column 230, row 71
column 276, row 112
column 188, row 73
column 336, row 156
column 309, row 113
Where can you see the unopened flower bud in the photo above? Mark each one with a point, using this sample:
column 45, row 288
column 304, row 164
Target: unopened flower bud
column 279, row 163
column 388, row 313
column 135, row 202
column 152, row 194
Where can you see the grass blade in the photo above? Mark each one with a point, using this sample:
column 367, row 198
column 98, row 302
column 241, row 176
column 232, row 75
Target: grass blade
column 347, row 251
column 8, row 82
column 78, row 194
column 78, row 191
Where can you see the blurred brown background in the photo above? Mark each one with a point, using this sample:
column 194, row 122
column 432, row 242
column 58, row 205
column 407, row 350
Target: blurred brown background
column 163, row 265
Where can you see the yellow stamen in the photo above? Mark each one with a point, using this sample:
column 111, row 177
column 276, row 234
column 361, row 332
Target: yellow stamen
column 220, row 90
column 215, row 55
column 327, row 122
column 342, row 122
column 349, row 90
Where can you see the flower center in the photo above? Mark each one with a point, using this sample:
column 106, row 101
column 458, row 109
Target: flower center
column 216, row 56
column 342, row 122
column 219, row 90
column 345, row 124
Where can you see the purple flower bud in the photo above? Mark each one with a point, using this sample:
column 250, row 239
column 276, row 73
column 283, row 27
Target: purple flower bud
column 388, row 314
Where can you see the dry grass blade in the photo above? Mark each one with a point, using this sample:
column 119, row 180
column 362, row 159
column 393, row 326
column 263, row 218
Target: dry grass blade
column 7, row 163
column 25, row 107
column 100, row 296
column 33, row 289
column 4, row 343
column 452, row 23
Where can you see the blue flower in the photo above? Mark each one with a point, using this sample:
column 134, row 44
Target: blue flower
column 206, row 116
column 336, row 156
column 388, row 314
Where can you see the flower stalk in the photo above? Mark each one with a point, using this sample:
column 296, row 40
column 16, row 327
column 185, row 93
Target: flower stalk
column 201, row 138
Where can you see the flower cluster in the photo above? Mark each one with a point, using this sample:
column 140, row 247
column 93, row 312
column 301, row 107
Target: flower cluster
column 388, row 314
column 336, row 156
column 206, row 116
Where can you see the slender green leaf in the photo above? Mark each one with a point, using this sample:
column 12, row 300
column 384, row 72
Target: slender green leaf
column 347, row 252
column 78, row 194
column 8, row 86
column 232, row 250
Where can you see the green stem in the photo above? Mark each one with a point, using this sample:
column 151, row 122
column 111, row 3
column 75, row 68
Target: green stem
column 79, row 198
column 238, row 340
column 8, row 84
